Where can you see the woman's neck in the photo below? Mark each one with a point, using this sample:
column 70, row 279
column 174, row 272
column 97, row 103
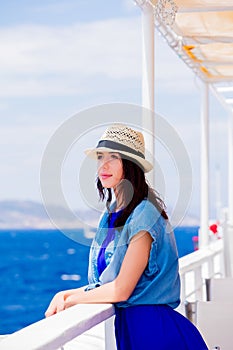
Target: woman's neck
column 119, row 200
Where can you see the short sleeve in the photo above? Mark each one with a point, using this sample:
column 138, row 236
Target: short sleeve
column 146, row 217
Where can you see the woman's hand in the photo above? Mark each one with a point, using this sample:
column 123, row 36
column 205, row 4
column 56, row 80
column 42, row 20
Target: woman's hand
column 64, row 299
column 57, row 304
column 72, row 300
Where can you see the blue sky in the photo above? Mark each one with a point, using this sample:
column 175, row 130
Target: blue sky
column 60, row 57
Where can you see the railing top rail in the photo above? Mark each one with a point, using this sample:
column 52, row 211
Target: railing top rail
column 54, row 331
column 191, row 261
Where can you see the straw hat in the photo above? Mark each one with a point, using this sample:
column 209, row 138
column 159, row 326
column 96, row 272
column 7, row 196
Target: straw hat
column 120, row 138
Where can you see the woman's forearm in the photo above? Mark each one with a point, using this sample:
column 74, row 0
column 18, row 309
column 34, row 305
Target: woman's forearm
column 69, row 292
column 106, row 293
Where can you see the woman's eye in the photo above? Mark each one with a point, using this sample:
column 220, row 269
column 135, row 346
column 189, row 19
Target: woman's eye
column 114, row 156
column 107, row 158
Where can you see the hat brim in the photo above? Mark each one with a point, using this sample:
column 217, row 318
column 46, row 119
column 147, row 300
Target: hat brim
column 145, row 164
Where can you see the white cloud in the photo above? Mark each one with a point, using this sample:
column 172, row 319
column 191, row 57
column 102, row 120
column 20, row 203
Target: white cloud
column 3, row 106
column 56, row 7
column 65, row 60
column 57, row 60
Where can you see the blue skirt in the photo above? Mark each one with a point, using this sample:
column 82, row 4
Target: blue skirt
column 155, row 327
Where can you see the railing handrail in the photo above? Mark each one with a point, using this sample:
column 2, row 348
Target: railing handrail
column 189, row 262
column 53, row 332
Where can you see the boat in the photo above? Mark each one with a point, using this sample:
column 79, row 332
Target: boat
column 200, row 32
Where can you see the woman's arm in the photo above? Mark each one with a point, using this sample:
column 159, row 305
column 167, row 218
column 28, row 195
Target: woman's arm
column 133, row 265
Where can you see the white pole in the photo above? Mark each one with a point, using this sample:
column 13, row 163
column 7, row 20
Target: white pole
column 228, row 233
column 218, row 193
column 204, row 155
column 148, row 80
column 230, row 169
column 148, row 56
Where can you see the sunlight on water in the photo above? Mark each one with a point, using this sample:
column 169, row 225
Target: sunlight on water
column 71, row 251
column 65, row 277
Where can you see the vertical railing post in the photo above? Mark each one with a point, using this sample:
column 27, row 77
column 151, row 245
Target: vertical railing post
column 183, row 288
column 204, row 155
column 211, row 267
column 198, row 282
column 110, row 341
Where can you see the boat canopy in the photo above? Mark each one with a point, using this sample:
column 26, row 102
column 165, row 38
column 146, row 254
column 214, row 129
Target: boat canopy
column 202, row 35
column 206, row 28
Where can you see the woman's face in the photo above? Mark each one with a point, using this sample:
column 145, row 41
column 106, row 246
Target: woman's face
column 110, row 169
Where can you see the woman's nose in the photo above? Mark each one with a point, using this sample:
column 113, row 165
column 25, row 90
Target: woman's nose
column 104, row 164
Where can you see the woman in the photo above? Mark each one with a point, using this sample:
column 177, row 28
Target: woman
column 133, row 258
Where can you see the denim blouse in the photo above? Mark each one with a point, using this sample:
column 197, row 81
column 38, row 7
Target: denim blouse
column 160, row 281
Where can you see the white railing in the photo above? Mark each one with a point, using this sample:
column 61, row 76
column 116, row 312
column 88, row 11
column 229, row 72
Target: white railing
column 54, row 332
column 204, row 263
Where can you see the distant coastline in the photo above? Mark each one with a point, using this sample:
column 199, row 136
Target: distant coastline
column 17, row 214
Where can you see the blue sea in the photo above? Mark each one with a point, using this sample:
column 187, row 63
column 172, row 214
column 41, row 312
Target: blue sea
column 35, row 264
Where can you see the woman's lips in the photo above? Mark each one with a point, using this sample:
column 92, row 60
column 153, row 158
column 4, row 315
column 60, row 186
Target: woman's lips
column 105, row 176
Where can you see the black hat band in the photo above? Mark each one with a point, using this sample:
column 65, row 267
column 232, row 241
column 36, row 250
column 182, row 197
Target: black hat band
column 119, row 147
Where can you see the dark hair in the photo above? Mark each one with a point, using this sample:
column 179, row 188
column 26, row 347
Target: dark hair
column 133, row 194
